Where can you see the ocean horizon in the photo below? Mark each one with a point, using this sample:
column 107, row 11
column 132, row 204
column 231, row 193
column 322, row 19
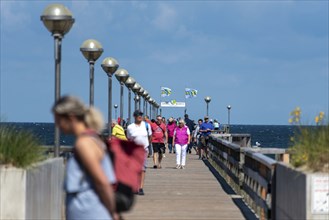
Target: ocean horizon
column 269, row 136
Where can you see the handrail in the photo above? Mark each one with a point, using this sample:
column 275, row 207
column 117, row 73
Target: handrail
column 228, row 144
column 267, row 161
column 62, row 148
column 252, row 172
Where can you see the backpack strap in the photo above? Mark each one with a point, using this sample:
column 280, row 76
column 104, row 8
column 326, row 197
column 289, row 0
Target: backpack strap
column 163, row 131
column 147, row 127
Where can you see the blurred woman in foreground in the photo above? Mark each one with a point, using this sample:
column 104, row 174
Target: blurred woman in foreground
column 89, row 173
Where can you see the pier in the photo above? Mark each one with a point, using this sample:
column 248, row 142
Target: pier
column 238, row 181
column 192, row 193
column 233, row 184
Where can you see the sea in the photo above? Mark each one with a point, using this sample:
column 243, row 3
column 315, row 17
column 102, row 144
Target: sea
column 269, row 136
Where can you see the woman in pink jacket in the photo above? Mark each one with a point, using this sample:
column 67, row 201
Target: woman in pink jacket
column 181, row 139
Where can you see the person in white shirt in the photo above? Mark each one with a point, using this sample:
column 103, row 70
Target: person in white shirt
column 140, row 132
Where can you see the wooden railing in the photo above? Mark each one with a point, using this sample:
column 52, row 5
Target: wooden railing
column 227, row 157
column 248, row 171
column 243, row 140
column 258, row 171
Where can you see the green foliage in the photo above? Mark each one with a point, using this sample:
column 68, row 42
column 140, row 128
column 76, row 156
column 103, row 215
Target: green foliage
column 18, row 148
column 311, row 148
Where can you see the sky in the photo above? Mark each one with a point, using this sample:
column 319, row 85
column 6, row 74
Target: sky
column 264, row 58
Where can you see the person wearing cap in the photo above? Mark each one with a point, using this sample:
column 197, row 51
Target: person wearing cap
column 170, row 129
column 159, row 141
column 118, row 131
column 140, row 132
column 206, row 128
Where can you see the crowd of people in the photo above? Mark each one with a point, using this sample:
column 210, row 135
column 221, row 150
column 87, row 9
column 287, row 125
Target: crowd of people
column 90, row 176
column 178, row 136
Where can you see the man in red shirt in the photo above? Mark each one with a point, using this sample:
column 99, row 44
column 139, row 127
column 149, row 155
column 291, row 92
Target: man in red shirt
column 159, row 139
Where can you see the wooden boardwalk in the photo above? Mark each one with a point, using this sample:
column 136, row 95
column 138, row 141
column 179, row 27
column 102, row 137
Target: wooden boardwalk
column 193, row 193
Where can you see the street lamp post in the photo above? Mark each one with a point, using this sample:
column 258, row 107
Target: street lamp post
column 135, row 89
column 151, row 104
column 157, row 109
column 145, row 94
column 58, row 20
column 121, row 75
column 147, row 99
column 116, row 112
column 140, row 93
column 136, row 99
column 154, row 108
column 91, row 49
column 228, row 117
column 130, row 82
column 207, row 99
column 110, row 65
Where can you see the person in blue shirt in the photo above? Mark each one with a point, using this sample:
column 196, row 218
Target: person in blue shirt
column 205, row 129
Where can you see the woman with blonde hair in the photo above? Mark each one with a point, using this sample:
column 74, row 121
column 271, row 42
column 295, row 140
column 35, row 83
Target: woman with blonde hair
column 89, row 172
column 181, row 139
column 118, row 131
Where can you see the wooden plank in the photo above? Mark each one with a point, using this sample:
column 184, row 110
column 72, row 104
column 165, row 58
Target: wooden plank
column 263, row 150
column 267, row 161
column 193, row 193
column 255, row 176
column 227, row 170
column 227, row 144
column 255, row 197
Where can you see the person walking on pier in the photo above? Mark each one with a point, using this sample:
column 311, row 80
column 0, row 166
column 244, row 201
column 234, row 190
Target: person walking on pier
column 171, row 128
column 140, row 132
column 159, row 139
column 206, row 128
column 118, row 131
column 216, row 125
column 196, row 138
column 181, row 139
column 149, row 122
column 89, row 173
column 190, row 124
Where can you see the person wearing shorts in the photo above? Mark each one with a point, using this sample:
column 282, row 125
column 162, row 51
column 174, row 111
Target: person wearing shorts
column 140, row 133
column 206, row 128
column 196, row 137
column 159, row 141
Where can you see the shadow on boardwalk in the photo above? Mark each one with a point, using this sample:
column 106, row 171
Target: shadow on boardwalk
column 237, row 199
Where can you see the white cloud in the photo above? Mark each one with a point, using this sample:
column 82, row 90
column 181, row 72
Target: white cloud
column 166, row 18
column 80, row 6
column 139, row 5
column 14, row 16
column 170, row 56
column 91, row 16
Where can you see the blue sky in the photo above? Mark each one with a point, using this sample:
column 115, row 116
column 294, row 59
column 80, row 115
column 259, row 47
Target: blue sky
column 263, row 58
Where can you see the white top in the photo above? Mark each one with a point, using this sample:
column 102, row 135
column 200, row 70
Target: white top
column 139, row 133
column 196, row 131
